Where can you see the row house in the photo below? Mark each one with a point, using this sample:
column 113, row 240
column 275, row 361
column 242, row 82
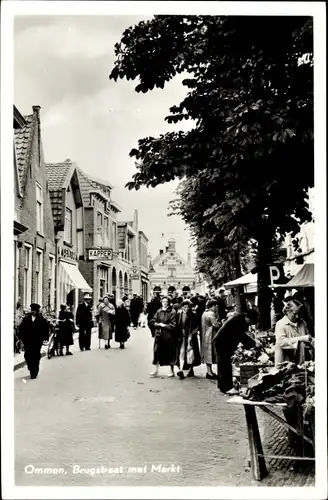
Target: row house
column 102, row 267
column 34, row 236
column 68, row 220
column 133, row 245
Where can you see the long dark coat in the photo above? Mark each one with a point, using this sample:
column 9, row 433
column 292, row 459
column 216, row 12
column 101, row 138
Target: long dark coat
column 33, row 334
column 84, row 316
column 188, row 332
column 166, row 339
column 122, row 322
column 231, row 333
column 66, row 328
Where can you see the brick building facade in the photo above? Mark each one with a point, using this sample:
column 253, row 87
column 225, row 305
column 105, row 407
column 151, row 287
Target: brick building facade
column 34, row 237
column 68, row 218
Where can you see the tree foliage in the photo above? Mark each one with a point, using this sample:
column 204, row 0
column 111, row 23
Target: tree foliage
column 247, row 162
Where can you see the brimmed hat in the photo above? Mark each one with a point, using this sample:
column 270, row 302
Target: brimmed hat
column 35, row 307
column 87, row 296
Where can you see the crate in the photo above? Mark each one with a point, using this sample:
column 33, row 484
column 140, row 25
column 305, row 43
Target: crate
column 246, row 372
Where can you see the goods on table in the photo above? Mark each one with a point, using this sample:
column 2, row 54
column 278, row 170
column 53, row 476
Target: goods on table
column 289, row 384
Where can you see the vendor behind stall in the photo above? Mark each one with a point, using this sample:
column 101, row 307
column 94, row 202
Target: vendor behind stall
column 226, row 340
column 292, row 335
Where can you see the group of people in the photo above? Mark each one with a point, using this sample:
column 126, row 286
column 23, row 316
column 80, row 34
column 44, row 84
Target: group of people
column 196, row 330
column 187, row 331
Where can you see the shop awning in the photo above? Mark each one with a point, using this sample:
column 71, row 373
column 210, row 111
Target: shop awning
column 74, row 277
column 245, row 280
column 304, row 277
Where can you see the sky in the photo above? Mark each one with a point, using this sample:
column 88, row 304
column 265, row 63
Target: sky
column 62, row 63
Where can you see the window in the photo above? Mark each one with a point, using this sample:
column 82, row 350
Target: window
column 51, row 282
column 99, row 238
column 16, row 275
column 114, row 236
column 27, row 275
column 68, row 226
column 39, row 209
column 103, row 281
column 39, row 277
column 106, row 231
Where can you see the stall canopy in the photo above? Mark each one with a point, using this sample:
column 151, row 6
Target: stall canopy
column 74, row 278
column 304, row 278
column 247, row 279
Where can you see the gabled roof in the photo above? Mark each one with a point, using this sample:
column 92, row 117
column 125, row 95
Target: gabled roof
column 23, row 141
column 60, row 175
column 89, row 185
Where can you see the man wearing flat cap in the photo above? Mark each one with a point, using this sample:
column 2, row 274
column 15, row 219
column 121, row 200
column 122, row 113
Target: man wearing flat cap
column 34, row 330
column 84, row 322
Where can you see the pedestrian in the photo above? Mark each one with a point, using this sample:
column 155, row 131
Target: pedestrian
column 292, row 335
column 19, row 315
column 135, row 310
column 122, row 323
column 34, row 330
column 210, row 324
column 277, row 305
column 105, row 312
column 153, row 306
column 222, row 304
column 165, row 340
column 232, row 332
column 188, row 348
column 66, row 329
column 84, row 322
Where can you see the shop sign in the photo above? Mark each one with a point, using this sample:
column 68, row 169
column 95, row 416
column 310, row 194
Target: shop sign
column 66, row 253
column 135, row 273
column 100, row 254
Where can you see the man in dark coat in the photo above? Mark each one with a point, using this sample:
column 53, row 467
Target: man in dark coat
column 34, row 330
column 135, row 309
column 222, row 305
column 84, row 322
column 153, row 306
column 232, row 332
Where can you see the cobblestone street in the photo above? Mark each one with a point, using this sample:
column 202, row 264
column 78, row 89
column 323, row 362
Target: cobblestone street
column 101, row 408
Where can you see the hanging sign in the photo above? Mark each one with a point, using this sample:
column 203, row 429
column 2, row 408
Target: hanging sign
column 135, row 273
column 100, row 254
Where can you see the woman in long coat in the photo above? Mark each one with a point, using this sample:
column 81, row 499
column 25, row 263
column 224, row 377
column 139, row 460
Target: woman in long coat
column 106, row 311
column 66, row 328
column 165, row 339
column 210, row 324
column 188, row 327
column 122, row 323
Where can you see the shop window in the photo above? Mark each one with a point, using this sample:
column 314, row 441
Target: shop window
column 39, row 273
column 27, row 275
column 39, row 209
column 68, row 233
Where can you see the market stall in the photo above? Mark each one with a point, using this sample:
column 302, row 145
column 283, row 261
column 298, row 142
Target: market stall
column 291, row 389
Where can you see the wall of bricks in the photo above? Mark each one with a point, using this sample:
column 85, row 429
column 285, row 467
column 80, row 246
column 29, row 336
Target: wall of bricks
column 27, row 215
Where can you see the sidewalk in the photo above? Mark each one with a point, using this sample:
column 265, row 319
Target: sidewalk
column 19, row 360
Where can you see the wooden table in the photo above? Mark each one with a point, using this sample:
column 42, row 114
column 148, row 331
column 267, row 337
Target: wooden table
column 258, row 464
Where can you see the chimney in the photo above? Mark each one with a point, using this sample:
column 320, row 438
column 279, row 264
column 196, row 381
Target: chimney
column 166, row 249
column 161, row 252
column 36, row 110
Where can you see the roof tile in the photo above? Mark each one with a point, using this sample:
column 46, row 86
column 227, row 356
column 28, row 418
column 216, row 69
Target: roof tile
column 23, row 137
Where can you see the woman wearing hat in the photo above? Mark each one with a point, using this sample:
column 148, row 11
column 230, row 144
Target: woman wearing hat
column 105, row 312
column 188, row 327
column 66, row 328
column 122, row 323
column 34, row 330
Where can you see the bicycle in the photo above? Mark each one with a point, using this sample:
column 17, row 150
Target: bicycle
column 53, row 344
